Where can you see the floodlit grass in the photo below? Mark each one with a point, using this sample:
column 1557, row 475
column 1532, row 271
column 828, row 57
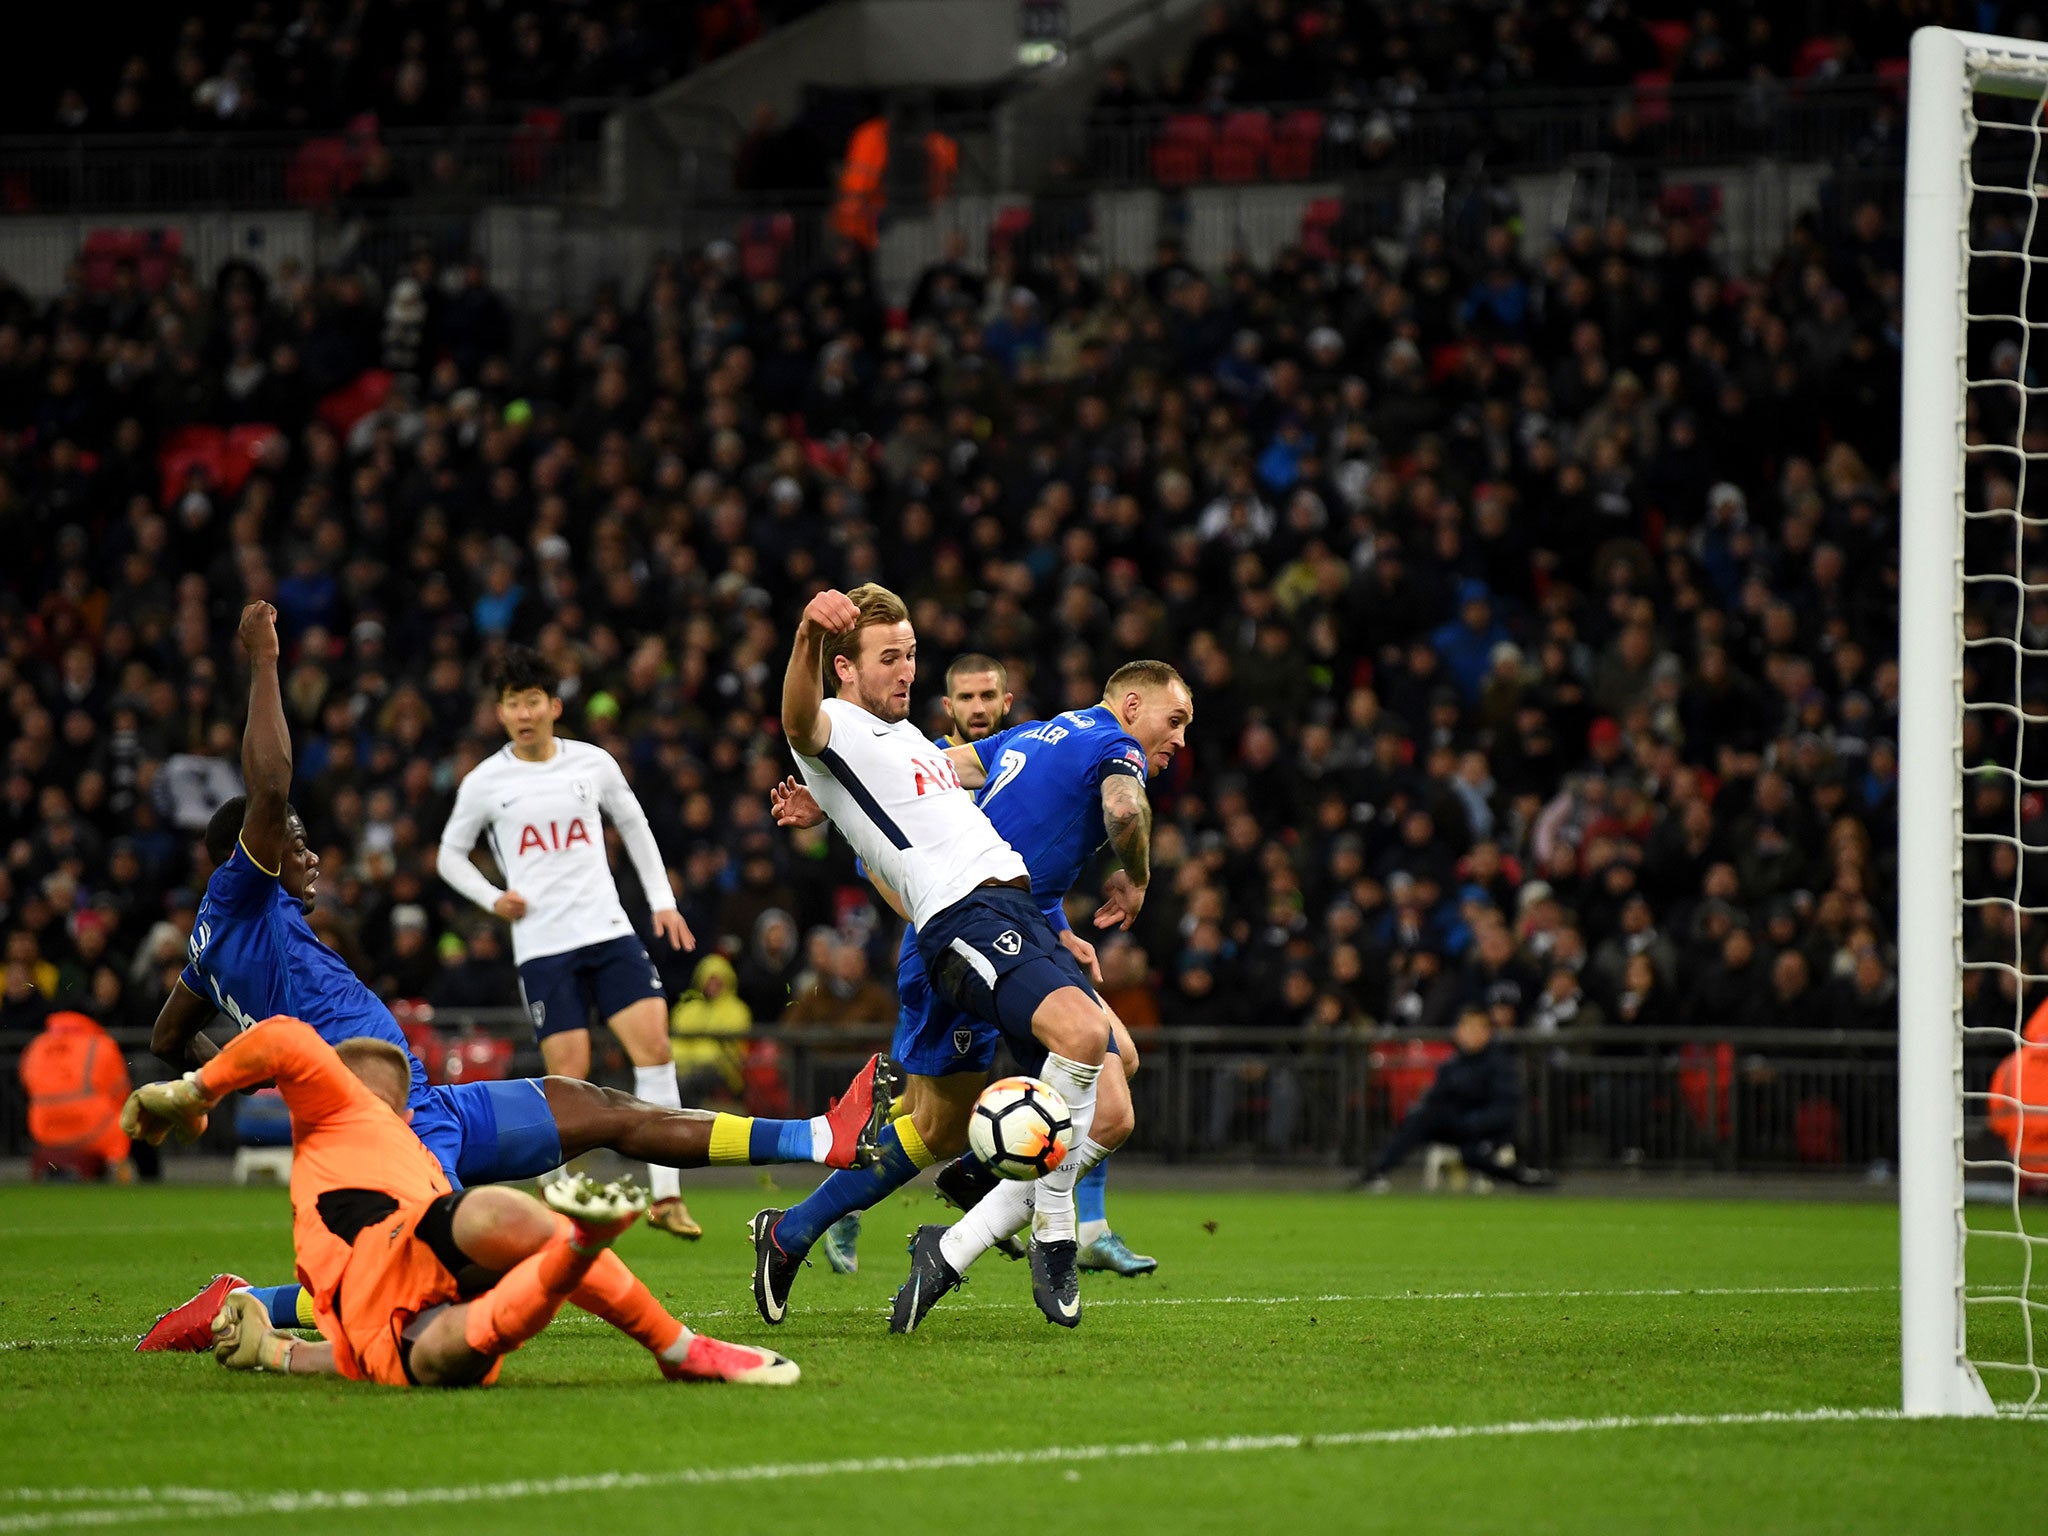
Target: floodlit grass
column 1274, row 1315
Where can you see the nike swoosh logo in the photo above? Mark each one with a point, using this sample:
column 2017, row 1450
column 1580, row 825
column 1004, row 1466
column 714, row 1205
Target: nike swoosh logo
column 506, row 805
column 881, row 730
column 916, row 1291
column 1068, row 1308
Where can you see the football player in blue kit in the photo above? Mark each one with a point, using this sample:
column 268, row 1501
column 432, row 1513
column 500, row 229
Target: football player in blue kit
column 254, row 956
column 1052, row 789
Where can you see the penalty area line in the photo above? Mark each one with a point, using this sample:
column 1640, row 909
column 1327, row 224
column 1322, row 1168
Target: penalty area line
column 121, row 1506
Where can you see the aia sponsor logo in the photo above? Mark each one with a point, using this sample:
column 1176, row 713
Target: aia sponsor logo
column 553, row 837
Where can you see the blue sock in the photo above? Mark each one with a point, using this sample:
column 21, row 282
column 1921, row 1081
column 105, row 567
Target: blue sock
column 1091, row 1195
column 282, row 1302
column 850, row 1189
column 779, row 1141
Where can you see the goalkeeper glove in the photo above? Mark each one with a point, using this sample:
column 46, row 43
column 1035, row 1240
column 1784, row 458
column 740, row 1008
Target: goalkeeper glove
column 155, row 1109
column 243, row 1339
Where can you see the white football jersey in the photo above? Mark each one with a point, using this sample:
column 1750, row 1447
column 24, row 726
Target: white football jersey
column 542, row 822
column 899, row 802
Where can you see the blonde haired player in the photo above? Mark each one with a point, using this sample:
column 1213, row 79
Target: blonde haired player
column 538, row 801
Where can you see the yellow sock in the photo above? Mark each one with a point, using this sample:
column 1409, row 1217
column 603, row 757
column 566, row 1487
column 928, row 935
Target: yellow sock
column 732, row 1140
column 913, row 1144
column 306, row 1318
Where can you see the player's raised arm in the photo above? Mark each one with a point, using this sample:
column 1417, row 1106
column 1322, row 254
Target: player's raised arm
column 266, row 744
column 804, row 722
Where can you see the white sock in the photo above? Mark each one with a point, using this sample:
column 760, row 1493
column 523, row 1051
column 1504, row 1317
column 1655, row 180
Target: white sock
column 1074, row 1082
column 1087, row 1153
column 657, row 1085
column 1002, row 1211
column 675, row 1352
column 821, row 1138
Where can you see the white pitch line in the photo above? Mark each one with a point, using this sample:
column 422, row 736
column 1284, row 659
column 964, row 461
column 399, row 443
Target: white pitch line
column 128, row 1505
column 1361, row 1297
column 578, row 1319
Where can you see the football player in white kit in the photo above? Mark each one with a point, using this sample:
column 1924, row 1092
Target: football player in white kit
column 943, row 866
column 537, row 799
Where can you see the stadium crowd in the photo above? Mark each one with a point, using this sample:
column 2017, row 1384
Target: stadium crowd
column 250, row 65
column 1538, row 615
column 1395, row 53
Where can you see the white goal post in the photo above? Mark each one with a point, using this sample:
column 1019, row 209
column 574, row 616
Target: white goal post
column 1975, row 170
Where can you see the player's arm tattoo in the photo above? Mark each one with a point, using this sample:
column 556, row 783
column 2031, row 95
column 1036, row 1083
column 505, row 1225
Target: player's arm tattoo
column 1127, row 816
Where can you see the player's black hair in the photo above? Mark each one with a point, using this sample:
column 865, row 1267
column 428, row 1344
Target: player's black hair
column 224, row 830
column 976, row 662
column 521, row 668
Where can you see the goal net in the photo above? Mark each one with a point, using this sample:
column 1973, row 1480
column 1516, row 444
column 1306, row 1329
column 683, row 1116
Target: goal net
column 1973, row 726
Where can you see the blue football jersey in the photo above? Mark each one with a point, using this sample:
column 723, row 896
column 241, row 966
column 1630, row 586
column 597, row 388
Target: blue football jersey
column 1044, row 790
column 254, row 955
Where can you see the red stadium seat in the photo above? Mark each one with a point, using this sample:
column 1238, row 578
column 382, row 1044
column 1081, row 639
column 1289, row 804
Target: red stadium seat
column 1405, row 1072
column 1814, row 54
column 320, row 171
column 1240, row 151
column 539, row 131
column 186, row 449
column 1292, row 155
column 1318, row 227
column 1180, row 156
column 477, row 1058
column 352, row 402
column 1009, row 224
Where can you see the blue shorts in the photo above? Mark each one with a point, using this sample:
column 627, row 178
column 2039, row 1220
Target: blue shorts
column 560, row 990
column 933, row 1038
column 489, row 1133
column 994, row 956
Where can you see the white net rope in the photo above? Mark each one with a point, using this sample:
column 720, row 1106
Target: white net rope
column 2002, row 929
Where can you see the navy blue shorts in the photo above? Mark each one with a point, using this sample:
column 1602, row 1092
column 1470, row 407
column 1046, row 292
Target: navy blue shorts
column 994, row 956
column 560, row 990
column 489, row 1133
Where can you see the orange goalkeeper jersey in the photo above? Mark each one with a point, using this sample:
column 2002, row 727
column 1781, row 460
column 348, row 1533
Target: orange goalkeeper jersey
column 354, row 1164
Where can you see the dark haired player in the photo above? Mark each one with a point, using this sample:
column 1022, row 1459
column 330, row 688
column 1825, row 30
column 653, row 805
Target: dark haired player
column 537, row 801
column 253, row 956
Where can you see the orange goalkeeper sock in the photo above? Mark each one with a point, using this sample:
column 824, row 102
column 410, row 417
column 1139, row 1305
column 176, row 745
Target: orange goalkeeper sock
column 613, row 1292
column 527, row 1299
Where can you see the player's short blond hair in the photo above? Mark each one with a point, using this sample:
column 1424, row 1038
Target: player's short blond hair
column 1144, row 675
column 361, row 1052
column 877, row 605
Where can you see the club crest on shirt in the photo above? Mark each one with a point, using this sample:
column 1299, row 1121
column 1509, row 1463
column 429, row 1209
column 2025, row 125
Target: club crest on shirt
column 540, row 1015
column 963, row 1039
column 581, row 788
column 1009, row 941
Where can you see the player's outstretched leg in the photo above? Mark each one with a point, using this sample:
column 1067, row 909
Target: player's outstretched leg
column 613, row 1292
column 587, row 1117
column 1102, row 1249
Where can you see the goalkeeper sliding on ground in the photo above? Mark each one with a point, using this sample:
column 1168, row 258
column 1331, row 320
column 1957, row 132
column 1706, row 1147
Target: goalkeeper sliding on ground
column 414, row 1284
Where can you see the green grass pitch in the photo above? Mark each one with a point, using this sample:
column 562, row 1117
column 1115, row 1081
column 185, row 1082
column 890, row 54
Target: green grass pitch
column 1346, row 1320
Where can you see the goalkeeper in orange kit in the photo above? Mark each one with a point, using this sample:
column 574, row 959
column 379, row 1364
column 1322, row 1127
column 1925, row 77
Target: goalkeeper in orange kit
column 414, row 1284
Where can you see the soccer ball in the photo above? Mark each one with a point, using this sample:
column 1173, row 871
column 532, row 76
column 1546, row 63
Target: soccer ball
column 1020, row 1128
